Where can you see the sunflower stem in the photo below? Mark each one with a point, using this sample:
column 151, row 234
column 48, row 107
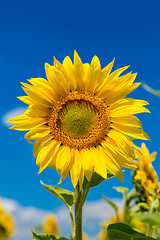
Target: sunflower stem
column 126, row 206
column 78, row 213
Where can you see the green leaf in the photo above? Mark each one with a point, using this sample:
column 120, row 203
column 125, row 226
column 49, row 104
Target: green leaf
column 150, row 218
column 96, row 180
column 64, row 195
column 47, row 237
column 112, row 204
column 151, row 90
column 143, row 205
column 121, row 231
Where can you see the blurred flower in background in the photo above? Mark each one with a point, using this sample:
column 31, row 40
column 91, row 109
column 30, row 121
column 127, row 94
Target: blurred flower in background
column 50, row 225
column 145, row 177
column 135, row 224
column 6, row 224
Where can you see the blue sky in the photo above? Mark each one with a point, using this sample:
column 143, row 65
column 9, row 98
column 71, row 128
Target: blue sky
column 32, row 32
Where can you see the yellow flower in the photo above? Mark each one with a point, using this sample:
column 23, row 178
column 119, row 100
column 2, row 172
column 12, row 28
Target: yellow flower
column 6, row 224
column 50, row 225
column 80, row 119
column 134, row 223
column 115, row 219
column 84, row 236
column 145, row 172
column 137, row 225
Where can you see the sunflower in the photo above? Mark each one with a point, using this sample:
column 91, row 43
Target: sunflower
column 6, row 224
column 50, row 225
column 80, row 120
column 134, row 223
column 145, row 172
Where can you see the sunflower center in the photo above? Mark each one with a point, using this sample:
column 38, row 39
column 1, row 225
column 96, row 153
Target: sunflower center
column 79, row 120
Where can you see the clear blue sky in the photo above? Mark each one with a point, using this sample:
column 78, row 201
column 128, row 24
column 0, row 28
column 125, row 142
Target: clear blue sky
column 32, row 32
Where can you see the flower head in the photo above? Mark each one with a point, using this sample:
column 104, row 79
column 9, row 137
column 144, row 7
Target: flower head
column 145, row 172
column 134, row 223
column 50, row 225
column 80, row 119
column 6, row 224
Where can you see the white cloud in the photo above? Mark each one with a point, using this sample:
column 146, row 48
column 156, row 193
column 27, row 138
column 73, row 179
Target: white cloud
column 95, row 213
column 27, row 218
column 13, row 113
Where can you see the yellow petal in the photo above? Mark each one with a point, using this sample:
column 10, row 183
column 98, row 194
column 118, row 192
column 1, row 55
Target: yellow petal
column 126, row 107
column 123, row 142
column 93, row 74
column 78, row 72
column 46, row 154
column 134, row 132
column 99, row 163
column 116, row 73
column 103, row 77
column 29, row 123
column 39, row 97
column 38, row 145
column 116, row 94
column 38, row 111
column 113, row 166
column 129, row 120
column 76, row 168
column 87, row 163
column 62, row 159
column 36, row 133
column 116, row 154
column 56, row 80
column 69, row 67
column 43, row 84
column 25, row 99
column 153, row 156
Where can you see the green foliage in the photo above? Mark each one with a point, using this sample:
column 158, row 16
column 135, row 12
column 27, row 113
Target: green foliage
column 96, row 180
column 64, row 195
column 152, row 219
column 121, row 231
column 112, row 204
column 47, row 237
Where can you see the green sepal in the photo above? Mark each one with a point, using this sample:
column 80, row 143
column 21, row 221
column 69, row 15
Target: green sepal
column 152, row 219
column 112, row 204
column 121, row 231
column 96, row 180
column 121, row 189
column 64, row 195
column 47, row 237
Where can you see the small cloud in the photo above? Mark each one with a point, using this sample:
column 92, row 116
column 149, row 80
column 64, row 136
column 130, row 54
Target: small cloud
column 27, row 218
column 13, row 113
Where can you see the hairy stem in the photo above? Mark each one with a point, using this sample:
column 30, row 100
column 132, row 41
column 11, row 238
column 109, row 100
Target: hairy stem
column 78, row 213
column 126, row 206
